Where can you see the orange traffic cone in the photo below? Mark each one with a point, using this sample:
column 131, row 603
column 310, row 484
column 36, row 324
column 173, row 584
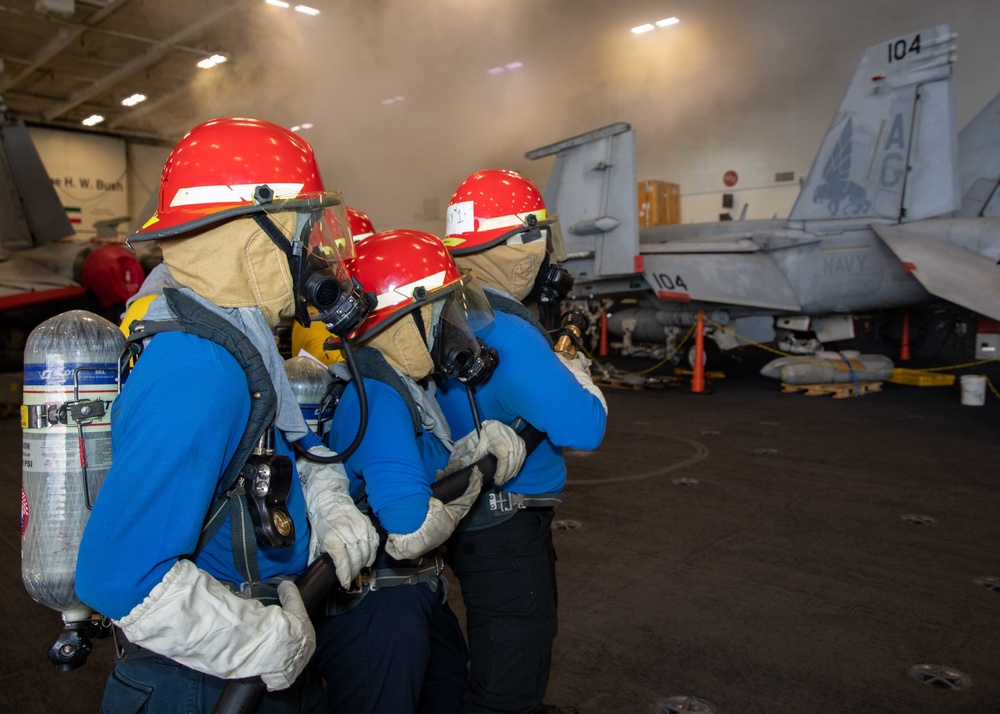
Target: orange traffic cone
column 603, row 347
column 698, row 373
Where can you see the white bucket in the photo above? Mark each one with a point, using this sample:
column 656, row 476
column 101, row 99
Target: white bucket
column 973, row 389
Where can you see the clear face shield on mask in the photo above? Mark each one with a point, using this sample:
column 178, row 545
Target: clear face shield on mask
column 316, row 252
column 456, row 350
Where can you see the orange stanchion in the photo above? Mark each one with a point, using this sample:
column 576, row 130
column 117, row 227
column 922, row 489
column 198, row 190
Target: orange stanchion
column 698, row 369
column 904, row 345
column 603, row 348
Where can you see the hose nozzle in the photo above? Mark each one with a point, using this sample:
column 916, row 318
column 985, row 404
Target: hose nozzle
column 570, row 333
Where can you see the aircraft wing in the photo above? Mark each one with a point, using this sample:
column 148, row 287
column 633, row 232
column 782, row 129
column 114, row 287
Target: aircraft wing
column 733, row 270
column 950, row 271
column 738, row 243
column 24, row 283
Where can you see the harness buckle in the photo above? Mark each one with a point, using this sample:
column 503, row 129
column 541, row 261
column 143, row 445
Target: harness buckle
column 503, row 501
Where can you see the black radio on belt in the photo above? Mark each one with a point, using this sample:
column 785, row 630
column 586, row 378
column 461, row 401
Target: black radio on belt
column 267, row 480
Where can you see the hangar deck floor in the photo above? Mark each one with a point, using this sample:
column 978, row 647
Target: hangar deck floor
column 765, row 552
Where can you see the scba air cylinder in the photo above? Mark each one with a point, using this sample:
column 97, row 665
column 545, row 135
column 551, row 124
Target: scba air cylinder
column 310, row 381
column 70, row 381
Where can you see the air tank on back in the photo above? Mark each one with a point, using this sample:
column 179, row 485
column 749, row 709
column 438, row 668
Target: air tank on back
column 310, row 382
column 70, row 382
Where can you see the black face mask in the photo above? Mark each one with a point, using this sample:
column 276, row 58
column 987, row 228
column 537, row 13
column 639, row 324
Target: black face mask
column 552, row 284
column 341, row 308
column 460, row 355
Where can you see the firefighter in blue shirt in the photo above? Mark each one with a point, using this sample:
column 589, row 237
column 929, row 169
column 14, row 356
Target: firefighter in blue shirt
column 502, row 553
column 423, row 325
column 188, row 553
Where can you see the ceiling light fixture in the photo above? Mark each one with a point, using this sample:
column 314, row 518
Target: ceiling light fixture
column 277, row 3
column 92, row 120
column 210, row 62
column 306, row 10
column 393, row 100
column 666, row 22
column 509, row 66
column 133, row 100
column 300, row 127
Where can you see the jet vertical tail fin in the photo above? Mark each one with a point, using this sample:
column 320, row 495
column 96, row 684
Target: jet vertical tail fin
column 891, row 152
column 979, row 163
column 32, row 212
column 592, row 188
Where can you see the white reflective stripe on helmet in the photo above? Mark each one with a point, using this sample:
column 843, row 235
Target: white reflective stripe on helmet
column 230, row 194
column 402, row 293
column 461, row 218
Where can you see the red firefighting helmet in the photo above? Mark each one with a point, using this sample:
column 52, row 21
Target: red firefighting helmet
column 361, row 224
column 489, row 208
column 406, row 269
column 215, row 170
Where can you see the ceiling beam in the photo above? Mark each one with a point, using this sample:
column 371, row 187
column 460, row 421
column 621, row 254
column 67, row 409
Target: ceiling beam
column 150, row 56
column 65, row 36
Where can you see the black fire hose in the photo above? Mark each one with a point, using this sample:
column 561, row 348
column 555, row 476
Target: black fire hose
column 241, row 696
column 450, row 487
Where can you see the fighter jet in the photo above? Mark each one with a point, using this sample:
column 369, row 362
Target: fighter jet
column 897, row 210
column 42, row 270
column 32, row 217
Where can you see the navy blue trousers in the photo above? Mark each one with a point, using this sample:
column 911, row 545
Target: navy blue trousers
column 152, row 684
column 399, row 651
column 508, row 579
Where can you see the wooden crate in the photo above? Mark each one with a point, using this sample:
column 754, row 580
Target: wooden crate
column 839, row 390
column 634, row 383
column 659, row 203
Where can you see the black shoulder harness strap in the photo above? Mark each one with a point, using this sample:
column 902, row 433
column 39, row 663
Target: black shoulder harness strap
column 195, row 319
column 372, row 365
column 503, row 303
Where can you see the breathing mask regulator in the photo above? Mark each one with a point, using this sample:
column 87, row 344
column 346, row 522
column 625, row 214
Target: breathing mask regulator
column 459, row 353
column 454, row 348
column 552, row 284
column 316, row 254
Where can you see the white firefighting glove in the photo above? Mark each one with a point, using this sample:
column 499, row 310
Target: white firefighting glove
column 338, row 527
column 580, row 367
column 494, row 437
column 437, row 526
column 197, row 621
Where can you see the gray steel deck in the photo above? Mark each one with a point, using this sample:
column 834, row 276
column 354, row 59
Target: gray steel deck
column 747, row 547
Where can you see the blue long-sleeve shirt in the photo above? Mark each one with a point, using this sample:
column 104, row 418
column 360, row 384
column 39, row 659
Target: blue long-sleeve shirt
column 174, row 428
column 529, row 382
column 393, row 465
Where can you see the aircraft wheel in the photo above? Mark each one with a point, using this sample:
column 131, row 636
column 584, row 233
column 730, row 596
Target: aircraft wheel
column 712, row 356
